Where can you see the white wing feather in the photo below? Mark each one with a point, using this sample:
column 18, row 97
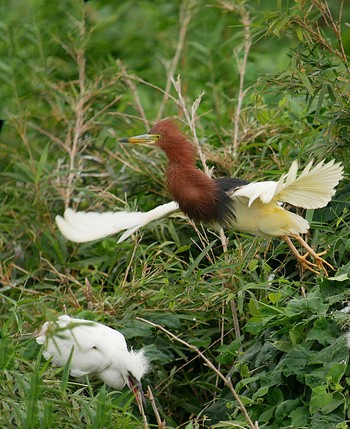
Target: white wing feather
column 313, row 188
column 82, row 227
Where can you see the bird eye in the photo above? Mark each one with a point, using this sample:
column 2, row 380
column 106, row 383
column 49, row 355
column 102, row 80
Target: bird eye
column 158, row 136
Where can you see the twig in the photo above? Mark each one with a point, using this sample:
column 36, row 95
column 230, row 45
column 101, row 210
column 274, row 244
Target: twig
column 313, row 29
column 224, row 242
column 235, row 318
column 241, row 64
column 144, row 417
column 185, row 19
column 79, row 112
column 137, row 99
column 323, row 6
column 160, row 422
column 128, row 268
column 191, row 119
column 226, row 381
column 224, row 239
column 180, row 368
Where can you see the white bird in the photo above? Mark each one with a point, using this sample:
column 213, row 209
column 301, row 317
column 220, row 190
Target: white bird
column 82, row 227
column 96, row 350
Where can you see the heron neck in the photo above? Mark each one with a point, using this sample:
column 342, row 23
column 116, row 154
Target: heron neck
column 179, row 151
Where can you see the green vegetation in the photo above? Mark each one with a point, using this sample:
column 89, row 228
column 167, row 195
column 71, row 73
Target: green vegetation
column 75, row 77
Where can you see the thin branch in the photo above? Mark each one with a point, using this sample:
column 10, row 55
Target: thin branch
column 336, row 28
column 315, row 33
column 224, row 243
column 144, row 417
column 80, row 115
column 190, row 361
column 151, row 85
column 227, row 381
column 242, row 66
column 137, row 99
column 191, row 117
column 185, row 19
column 235, row 319
column 161, row 423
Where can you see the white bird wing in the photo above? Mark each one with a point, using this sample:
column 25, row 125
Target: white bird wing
column 265, row 191
column 82, row 227
column 312, row 189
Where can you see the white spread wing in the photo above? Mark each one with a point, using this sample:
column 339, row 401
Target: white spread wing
column 265, row 191
column 82, row 227
column 312, row 189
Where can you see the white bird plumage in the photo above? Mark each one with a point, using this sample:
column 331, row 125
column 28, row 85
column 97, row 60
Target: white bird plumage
column 258, row 205
column 312, row 189
column 98, row 351
column 82, row 227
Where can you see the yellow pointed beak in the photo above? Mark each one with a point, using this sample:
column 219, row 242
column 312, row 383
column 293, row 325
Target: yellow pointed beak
column 142, row 138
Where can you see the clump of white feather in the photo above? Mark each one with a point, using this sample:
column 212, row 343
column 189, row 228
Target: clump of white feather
column 94, row 349
column 82, row 227
column 313, row 188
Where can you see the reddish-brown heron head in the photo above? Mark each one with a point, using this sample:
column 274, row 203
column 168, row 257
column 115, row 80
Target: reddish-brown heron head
column 197, row 194
column 166, row 135
column 164, row 131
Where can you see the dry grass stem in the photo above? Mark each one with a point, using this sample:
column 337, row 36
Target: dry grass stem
column 190, row 117
column 242, row 66
column 323, row 6
column 161, row 423
column 185, row 19
column 137, row 99
column 235, row 319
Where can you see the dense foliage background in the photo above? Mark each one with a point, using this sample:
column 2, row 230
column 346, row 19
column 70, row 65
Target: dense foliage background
column 260, row 84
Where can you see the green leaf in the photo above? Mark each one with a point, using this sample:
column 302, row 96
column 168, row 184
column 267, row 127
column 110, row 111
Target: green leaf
column 306, row 83
column 299, row 417
column 307, row 305
column 196, row 262
column 228, row 352
column 336, row 373
column 41, row 164
column 285, row 408
column 324, row 331
column 324, row 401
column 319, row 397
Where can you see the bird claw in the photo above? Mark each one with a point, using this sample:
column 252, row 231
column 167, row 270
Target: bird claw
column 319, row 263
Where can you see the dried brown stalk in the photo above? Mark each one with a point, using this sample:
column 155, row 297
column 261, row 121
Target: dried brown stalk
column 185, row 19
column 161, row 423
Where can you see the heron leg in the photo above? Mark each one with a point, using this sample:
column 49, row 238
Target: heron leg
column 319, row 264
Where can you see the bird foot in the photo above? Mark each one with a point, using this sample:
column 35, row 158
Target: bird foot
column 319, row 265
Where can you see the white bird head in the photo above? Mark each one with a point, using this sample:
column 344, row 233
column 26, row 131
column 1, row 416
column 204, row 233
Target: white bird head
column 95, row 350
